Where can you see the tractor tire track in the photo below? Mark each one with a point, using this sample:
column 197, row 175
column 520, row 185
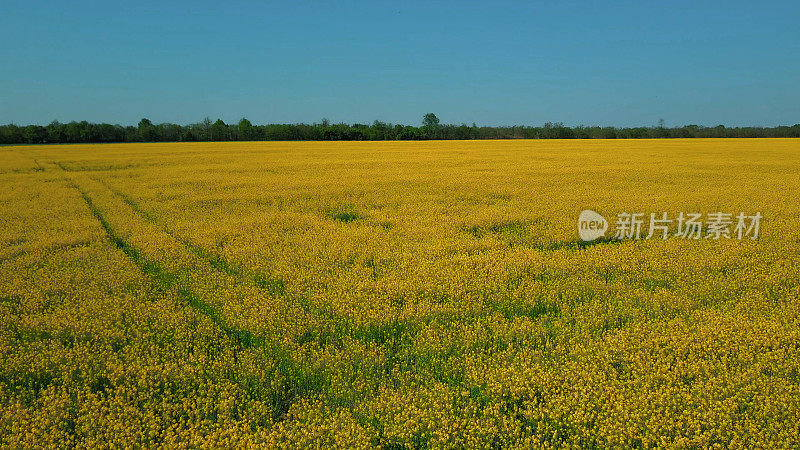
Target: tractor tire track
column 289, row 379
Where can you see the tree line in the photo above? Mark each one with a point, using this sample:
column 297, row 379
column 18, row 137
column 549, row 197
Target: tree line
column 244, row 130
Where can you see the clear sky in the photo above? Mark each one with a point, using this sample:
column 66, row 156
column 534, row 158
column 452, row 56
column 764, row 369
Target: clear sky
column 494, row 63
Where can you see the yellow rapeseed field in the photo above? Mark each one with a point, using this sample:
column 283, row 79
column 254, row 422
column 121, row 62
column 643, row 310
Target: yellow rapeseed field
column 396, row 295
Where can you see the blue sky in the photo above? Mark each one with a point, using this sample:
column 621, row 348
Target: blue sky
column 493, row 63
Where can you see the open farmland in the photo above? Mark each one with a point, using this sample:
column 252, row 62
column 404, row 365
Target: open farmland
column 396, row 294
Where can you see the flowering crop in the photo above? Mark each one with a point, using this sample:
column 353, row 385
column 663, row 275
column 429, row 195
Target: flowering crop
column 397, row 295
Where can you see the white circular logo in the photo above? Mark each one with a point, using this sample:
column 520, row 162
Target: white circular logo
column 591, row 225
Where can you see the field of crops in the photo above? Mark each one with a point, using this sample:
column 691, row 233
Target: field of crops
column 396, row 295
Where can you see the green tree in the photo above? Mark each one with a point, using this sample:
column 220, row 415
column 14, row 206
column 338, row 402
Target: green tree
column 34, row 134
column 204, row 128
column 245, row 130
column 147, row 131
column 219, row 131
column 72, row 132
column 430, row 126
column 55, row 132
column 430, row 120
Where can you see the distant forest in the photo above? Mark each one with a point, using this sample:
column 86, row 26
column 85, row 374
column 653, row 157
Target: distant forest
column 206, row 130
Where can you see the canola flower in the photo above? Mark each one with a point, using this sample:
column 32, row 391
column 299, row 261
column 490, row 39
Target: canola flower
column 395, row 295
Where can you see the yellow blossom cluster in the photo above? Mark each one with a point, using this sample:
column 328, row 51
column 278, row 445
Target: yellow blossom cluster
column 396, row 295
